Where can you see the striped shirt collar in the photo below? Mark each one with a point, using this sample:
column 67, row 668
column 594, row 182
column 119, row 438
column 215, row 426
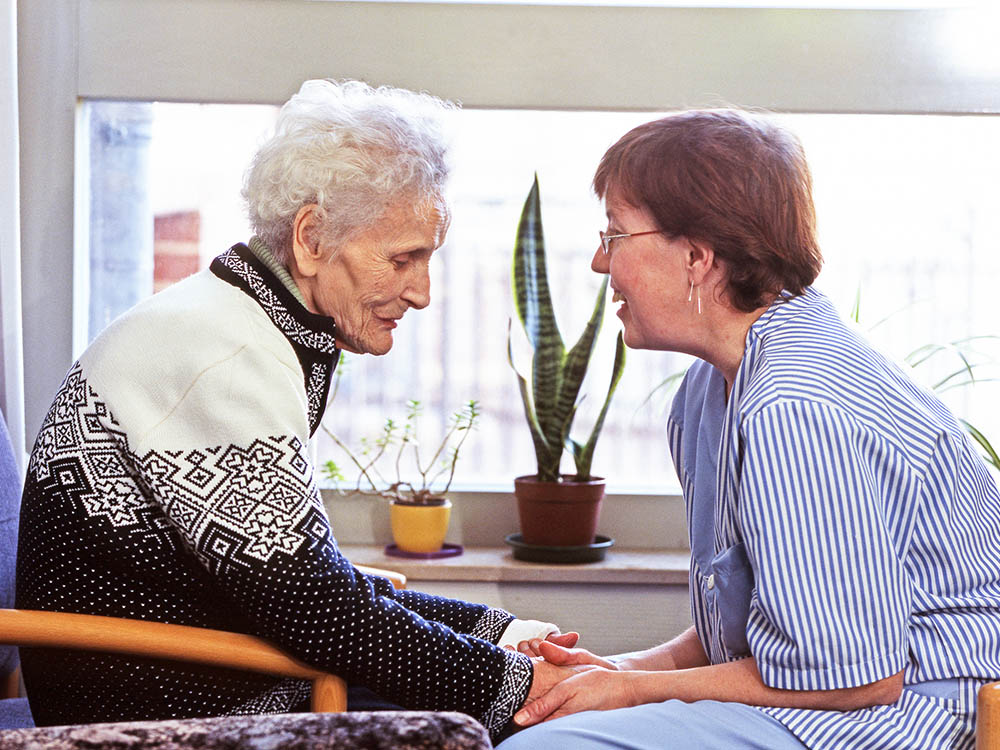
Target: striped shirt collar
column 784, row 308
column 786, row 305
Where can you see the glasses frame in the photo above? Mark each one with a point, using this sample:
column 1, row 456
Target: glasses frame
column 606, row 238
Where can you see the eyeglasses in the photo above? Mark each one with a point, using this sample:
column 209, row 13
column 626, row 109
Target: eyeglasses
column 606, row 238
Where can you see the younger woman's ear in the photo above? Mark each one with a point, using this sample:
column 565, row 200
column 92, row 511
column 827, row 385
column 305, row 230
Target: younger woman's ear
column 700, row 260
column 306, row 249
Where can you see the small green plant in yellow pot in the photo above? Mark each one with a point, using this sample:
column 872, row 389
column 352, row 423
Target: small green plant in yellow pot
column 419, row 510
column 420, row 528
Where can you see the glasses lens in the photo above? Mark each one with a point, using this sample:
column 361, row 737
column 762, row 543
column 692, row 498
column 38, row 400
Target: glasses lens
column 605, row 243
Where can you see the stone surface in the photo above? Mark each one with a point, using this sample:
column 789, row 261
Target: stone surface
column 385, row 730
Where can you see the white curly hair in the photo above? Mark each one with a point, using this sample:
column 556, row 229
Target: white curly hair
column 354, row 151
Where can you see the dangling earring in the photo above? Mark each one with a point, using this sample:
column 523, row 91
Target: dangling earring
column 691, row 296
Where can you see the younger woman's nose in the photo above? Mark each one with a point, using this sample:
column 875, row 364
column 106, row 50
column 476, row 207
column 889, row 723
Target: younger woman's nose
column 601, row 262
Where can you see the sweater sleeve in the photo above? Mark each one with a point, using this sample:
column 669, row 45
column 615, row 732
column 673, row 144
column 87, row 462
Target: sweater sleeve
column 478, row 620
column 248, row 508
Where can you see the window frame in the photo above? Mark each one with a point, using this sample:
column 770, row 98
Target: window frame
column 581, row 57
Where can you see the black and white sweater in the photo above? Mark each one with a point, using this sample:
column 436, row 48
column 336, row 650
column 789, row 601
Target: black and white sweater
column 171, row 481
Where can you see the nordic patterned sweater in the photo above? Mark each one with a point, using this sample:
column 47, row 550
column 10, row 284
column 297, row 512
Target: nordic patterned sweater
column 171, row 481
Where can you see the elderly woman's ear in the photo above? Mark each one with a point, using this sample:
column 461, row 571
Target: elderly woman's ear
column 306, row 251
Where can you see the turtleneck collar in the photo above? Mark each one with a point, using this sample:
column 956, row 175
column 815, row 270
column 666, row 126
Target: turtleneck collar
column 263, row 253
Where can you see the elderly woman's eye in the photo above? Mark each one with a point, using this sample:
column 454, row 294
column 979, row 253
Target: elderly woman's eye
column 400, row 260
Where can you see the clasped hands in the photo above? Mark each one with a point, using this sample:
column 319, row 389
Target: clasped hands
column 568, row 680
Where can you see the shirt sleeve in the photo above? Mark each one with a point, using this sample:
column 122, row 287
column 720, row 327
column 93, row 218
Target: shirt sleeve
column 831, row 599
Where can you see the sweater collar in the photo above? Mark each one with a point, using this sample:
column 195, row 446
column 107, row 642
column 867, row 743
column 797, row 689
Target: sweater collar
column 263, row 253
column 312, row 336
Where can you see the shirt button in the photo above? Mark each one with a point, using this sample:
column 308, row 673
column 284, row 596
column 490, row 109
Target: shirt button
column 710, row 582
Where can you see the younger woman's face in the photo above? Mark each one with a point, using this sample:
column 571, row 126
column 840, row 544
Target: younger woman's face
column 648, row 276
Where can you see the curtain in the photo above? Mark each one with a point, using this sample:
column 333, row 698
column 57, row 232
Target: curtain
column 11, row 365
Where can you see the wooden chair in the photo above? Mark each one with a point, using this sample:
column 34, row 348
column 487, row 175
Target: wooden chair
column 137, row 637
column 175, row 642
column 988, row 717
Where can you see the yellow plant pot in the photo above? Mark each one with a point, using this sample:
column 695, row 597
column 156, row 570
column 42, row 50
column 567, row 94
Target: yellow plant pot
column 419, row 528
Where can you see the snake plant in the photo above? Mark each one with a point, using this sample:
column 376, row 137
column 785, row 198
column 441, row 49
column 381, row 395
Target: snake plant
column 551, row 401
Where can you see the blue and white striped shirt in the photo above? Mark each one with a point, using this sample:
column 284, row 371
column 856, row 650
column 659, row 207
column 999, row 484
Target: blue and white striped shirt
column 843, row 528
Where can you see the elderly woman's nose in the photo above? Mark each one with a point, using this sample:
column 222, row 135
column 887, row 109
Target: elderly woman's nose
column 418, row 291
column 600, row 263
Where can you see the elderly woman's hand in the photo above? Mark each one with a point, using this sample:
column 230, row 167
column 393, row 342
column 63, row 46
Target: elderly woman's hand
column 595, row 689
column 565, row 640
column 562, row 653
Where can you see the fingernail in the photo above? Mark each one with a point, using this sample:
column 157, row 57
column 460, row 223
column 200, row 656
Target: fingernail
column 520, row 717
column 523, row 647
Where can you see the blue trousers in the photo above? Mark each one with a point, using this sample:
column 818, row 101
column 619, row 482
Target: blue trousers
column 671, row 725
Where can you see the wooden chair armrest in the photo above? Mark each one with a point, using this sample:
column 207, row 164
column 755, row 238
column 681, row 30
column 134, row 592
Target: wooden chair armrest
column 988, row 717
column 157, row 640
column 398, row 579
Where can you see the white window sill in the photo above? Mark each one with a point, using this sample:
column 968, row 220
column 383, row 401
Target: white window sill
column 497, row 565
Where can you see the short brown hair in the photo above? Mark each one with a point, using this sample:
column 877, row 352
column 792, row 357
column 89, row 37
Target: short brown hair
column 736, row 181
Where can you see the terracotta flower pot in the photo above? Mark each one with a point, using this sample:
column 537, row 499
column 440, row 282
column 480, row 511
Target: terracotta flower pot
column 419, row 528
column 558, row 514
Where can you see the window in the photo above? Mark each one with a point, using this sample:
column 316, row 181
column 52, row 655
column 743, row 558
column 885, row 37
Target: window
column 905, row 206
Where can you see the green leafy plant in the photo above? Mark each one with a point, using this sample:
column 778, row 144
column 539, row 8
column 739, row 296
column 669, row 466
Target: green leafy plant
column 551, row 401
column 963, row 376
column 398, row 446
column 968, row 361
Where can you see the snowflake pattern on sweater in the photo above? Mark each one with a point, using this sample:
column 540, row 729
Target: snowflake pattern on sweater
column 133, row 507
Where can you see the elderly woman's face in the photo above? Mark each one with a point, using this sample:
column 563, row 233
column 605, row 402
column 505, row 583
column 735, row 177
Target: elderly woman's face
column 374, row 278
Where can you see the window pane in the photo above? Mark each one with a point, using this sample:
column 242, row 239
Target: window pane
column 905, row 206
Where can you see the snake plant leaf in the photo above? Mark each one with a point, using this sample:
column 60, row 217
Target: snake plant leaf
column 533, row 302
column 576, row 450
column 532, row 297
column 574, row 368
column 543, row 451
column 585, row 456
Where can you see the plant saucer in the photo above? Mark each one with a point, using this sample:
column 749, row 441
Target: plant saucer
column 447, row 550
column 583, row 553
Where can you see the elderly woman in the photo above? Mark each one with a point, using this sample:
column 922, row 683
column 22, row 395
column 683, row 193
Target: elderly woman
column 172, row 480
column 845, row 564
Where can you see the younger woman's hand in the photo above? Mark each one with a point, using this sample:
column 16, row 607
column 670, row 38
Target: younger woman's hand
column 546, row 676
column 593, row 690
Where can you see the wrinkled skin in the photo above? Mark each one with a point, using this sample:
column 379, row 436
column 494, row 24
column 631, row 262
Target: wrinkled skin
column 367, row 283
